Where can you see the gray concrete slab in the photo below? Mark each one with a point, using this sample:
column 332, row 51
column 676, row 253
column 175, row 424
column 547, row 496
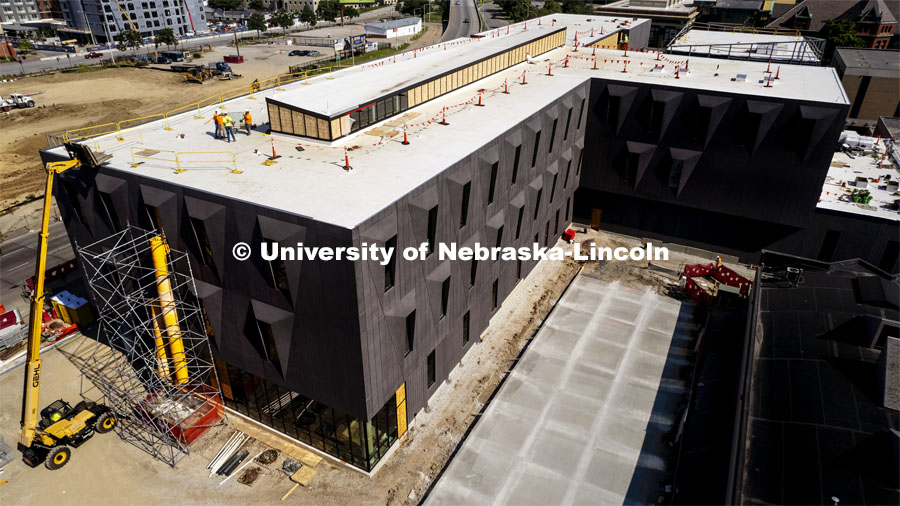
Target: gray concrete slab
column 581, row 417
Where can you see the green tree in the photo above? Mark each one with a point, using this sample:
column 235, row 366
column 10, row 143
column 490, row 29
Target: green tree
column 308, row 16
column 165, row 36
column 257, row 22
column 517, row 10
column 256, row 5
column 129, row 38
column 576, row 7
column 283, row 19
column 413, row 7
column 24, row 46
column 550, row 7
column 842, row 33
column 351, row 12
column 329, row 10
column 839, row 33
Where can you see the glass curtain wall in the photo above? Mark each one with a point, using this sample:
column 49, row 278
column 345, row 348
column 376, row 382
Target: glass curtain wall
column 358, row 442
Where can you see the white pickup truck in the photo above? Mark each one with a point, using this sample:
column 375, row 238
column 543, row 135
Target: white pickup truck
column 15, row 101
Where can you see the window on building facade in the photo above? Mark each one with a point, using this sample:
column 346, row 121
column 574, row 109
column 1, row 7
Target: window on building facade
column 432, row 229
column 515, row 167
column 552, row 135
column 153, row 217
column 675, row 174
column 260, row 335
column 519, row 221
column 537, row 203
column 473, row 271
column 553, row 188
column 568, row 122
column 204, row 247
column 389, row 269
column 494, row 289
column 580, row 113
column 612, row 112
column 445, row 296
column 410, row 332
column 430, row 367
column 537, row 144
column 465, row 328
column 464, row 207
column 111, row 214
column 493, row 184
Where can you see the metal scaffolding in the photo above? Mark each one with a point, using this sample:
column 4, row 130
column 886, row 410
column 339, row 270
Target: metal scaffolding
column 151, row 360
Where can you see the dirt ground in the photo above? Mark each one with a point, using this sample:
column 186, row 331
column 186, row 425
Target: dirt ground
column 403, row 476
column 67, row 101
column 75, row 100
column 402, row 479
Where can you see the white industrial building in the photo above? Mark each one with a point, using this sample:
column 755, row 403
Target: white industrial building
column 405, row 27
column 107, row 18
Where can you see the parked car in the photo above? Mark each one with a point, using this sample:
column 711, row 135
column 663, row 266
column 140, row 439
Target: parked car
column 93, row 55
column 161, row 60
column 299, row 52
column 312, row 52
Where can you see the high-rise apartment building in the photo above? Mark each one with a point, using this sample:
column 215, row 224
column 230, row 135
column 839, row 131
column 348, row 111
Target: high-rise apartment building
column 107, row 18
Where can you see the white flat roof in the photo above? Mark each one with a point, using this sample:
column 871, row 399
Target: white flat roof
column 403, row 70
column 313, row 182
column 841, row 181
column 396, row 23
column 685, row 6
column 757, row 46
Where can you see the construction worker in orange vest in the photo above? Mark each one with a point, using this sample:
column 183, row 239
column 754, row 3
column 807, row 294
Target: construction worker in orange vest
column 248, row 121
column 220, row 127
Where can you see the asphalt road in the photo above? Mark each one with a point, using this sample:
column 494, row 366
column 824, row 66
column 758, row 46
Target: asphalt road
column 462, row 11
column 34, row 64
column 17, row 257
column 493, row 17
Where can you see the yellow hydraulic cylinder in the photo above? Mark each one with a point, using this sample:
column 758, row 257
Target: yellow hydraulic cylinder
column 161, row 356
column 159, row 250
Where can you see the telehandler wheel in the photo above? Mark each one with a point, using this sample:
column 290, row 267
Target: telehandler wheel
column 105, row 423
column 58, row 457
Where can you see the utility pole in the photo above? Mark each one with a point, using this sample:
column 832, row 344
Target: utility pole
column 237, row 46
column 88, row 23
column 112, row 52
